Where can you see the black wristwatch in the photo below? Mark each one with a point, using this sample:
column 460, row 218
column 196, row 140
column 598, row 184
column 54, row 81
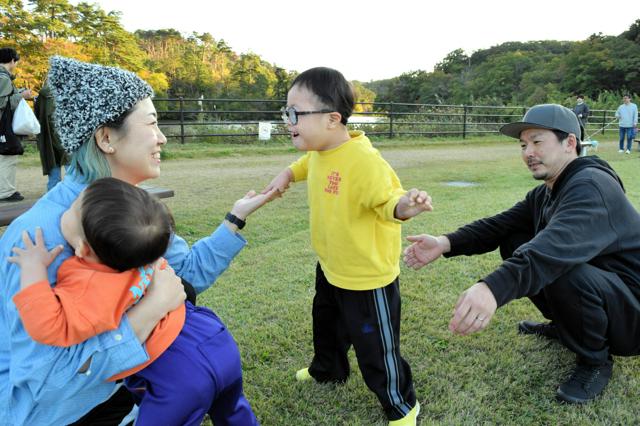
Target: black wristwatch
column 235, row 220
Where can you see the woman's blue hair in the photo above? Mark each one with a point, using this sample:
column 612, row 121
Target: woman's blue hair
column 89, row 162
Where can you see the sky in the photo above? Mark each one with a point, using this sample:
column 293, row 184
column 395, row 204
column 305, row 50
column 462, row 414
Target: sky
column 373, row 39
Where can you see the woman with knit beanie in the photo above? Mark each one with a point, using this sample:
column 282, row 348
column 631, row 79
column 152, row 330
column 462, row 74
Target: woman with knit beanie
column 108, row 126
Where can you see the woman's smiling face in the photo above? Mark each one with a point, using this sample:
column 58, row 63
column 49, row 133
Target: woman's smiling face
column 137, row 145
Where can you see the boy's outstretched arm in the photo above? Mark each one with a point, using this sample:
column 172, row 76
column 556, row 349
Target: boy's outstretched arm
column 412, row 203
column 34, row 259
column 280, row 182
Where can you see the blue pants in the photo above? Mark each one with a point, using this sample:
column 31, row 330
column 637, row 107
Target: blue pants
column 629, row 132
column 199, row 373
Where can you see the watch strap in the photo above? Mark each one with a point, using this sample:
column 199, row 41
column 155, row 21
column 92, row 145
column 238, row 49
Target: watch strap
column 235, row 220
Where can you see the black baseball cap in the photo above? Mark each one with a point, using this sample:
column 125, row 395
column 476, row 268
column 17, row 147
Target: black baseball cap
column 544, row 116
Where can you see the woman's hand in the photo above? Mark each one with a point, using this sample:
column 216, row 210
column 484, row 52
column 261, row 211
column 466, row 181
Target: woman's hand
column 165, row 294
column 252, row 202
column 166, row 290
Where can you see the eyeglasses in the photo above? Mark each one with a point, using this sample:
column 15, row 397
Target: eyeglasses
column 290, row 115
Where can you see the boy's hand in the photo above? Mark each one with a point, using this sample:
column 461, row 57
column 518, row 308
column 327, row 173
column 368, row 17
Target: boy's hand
column 412, row 204
column 280, row 182
column 34, row 254
column 34, row 259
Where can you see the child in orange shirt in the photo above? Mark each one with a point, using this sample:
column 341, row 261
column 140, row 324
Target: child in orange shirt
column 118, row 231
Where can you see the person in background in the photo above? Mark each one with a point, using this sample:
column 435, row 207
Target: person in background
column 627, row 115
column 581, row 110
column 10, row 96
column 52, row 155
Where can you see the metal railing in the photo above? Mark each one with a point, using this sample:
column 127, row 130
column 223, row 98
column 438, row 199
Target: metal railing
column 189, row 118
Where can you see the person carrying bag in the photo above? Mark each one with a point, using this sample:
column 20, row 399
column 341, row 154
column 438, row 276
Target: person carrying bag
column 9, row 142
column 10, row 145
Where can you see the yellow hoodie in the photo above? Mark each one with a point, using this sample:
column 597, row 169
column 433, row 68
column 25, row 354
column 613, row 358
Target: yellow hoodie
column 352, row 193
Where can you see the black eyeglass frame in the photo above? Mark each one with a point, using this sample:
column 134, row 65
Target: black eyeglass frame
column 290, row 115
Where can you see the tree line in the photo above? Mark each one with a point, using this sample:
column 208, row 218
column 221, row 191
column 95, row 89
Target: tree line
column 198, row 65
column 526, row 73
column 192, row 66
column 174, row 65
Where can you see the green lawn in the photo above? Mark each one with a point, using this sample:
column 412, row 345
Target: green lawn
column 265, row 297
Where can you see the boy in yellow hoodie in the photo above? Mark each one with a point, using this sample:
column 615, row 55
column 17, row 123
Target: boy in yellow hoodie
column 356, row 207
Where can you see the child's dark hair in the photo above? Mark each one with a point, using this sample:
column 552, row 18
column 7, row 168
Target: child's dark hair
column 331, row 87
column 125, row 225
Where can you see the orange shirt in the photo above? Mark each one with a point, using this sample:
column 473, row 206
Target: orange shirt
column 88, row 299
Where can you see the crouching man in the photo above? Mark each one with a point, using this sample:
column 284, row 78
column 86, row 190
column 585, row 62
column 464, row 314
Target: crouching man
column 572, row 246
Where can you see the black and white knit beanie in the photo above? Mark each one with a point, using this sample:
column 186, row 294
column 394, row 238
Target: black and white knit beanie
column 89, row 95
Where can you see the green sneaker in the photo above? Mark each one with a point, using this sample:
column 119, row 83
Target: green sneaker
column 410, row 419
column 303, row 375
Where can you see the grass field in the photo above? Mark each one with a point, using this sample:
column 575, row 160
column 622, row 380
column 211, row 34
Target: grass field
column 495, row 377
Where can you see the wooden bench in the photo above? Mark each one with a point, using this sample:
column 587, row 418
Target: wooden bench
column 10, row 210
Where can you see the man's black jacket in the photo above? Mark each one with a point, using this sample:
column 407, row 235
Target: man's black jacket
column 585, row 218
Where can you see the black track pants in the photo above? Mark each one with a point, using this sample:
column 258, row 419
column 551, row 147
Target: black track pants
column 370, row 321
column 594, row 310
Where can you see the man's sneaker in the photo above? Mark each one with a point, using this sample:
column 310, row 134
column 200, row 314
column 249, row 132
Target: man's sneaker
column 544, row 329
column 627, row 151
column 16, row 196
column 620, row 151
column 410, row 419
column 585, row 383
column 303, row 375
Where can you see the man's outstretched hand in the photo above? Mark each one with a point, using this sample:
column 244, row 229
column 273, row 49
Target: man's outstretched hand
column 474, row 310
column 424, row 250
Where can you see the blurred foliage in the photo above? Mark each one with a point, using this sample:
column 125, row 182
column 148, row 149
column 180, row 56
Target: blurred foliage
column 198, row 66
column 176, row 65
